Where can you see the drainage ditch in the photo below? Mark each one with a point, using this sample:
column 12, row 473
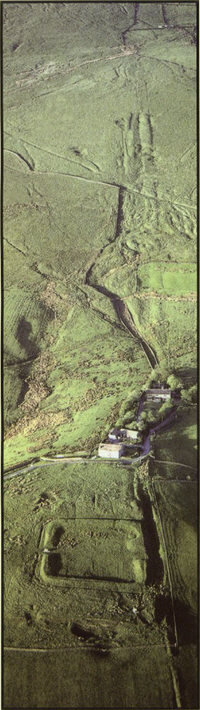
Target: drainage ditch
column 155, row 569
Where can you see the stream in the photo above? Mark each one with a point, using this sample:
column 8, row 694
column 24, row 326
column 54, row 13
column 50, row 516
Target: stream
column 124, row 317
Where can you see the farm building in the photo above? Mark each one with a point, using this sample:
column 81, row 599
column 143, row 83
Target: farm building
column 114, row 435
column 110, row 451
column 129, row 434
column 121, row 434
column 158, row 394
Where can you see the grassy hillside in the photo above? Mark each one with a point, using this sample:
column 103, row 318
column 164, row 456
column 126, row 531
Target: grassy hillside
column 99, row 233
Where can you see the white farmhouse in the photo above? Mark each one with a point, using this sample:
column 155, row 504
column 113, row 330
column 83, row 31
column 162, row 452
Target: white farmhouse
column 110, row 451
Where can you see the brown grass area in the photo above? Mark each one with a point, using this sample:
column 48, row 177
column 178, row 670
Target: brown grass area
column 50, row 298
column 37, row 391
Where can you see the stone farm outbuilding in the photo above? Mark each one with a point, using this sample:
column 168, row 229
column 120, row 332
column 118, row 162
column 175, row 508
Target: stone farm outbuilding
column 122, row 434
column 131, row 434
column 158, row 394
column 111, row 451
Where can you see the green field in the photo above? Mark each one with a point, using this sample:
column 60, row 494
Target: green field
column 181, row 448
column 177, row 280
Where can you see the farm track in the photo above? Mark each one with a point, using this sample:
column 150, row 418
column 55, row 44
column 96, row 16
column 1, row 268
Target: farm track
column 164, row 297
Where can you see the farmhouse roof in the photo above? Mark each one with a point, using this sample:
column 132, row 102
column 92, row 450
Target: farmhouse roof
column 111, row 446
column 159, row 390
